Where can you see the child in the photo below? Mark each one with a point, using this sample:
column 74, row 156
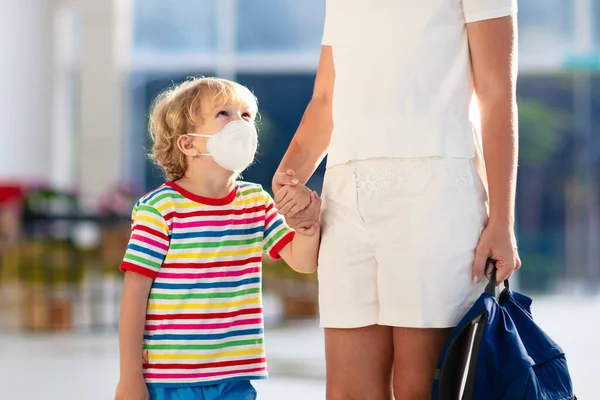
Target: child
column 191, row 322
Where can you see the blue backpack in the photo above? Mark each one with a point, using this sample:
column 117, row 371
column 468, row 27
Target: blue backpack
column 497, row 352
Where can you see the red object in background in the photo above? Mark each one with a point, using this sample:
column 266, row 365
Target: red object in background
column 11, row 203
column 10, row 192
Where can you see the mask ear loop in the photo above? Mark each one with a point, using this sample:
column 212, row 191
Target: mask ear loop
column 200, row 155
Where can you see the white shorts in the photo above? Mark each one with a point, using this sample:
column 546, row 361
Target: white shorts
column 398, row 242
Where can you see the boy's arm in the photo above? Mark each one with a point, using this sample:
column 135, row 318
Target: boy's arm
column 301, row 254
column 132, row 319
column 146, row 251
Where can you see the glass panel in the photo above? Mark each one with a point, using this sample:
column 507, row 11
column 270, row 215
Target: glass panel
column 596, row 23
column 275, row 25
column 558, row 202
column 546, row 26
column 162, row 26
column 282, row 100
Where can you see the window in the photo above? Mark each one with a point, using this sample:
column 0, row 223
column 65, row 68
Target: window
column 280, row 26
column 545, row 25
column 165, row 27
column 280, row 115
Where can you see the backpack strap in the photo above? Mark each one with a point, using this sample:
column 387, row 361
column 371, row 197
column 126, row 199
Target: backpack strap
column 480, row 325
column 491, row 286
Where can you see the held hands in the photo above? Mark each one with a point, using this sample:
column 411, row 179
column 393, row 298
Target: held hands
column 300, row 206
column 290, row 200
column 497, row 242
column 306, row 222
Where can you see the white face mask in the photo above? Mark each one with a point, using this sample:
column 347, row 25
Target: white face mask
column 234, row 147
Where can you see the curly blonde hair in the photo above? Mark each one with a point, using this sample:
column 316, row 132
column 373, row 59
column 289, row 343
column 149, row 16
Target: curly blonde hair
column 178, row 111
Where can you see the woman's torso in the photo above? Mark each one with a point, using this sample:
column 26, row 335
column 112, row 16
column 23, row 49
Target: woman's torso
column 403, row 80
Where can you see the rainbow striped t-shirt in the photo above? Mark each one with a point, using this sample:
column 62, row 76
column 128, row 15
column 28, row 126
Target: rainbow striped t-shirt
column 204, row 319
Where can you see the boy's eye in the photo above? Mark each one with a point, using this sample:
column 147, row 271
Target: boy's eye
column 222, row 113
column 247, row 115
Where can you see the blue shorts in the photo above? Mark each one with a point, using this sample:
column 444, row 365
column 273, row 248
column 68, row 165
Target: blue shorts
column 236, row 390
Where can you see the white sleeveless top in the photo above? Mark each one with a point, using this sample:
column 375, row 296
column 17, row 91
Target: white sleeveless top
column 403, row 78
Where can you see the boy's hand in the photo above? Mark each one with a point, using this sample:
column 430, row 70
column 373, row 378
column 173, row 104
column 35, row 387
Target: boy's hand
column 308, row 217
column 132, row 389
column 303, row 220
column 308, row 227
column 313, row 229
column 290, row 200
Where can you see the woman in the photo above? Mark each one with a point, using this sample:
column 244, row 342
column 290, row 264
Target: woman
column 406, row 226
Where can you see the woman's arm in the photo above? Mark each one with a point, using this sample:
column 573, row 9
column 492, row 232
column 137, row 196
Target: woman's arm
column 494, row 59
column 310, row 143
column 493, row 46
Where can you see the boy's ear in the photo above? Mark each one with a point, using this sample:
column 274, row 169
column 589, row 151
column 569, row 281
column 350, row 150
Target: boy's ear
column 185, row 144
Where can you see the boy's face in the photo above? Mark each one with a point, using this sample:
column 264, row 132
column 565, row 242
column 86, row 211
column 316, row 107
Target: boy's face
column 214, row 121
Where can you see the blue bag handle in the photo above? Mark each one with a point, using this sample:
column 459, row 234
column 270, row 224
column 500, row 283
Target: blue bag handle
column 491, row 286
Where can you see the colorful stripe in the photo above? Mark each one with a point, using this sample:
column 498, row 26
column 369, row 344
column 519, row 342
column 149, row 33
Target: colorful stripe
column 208, row 275
column 208, row 336
column 214, row 264
column 171, row 377
column 225, row 222
column 233, row 343
column 216, row 315
column 226, row 325
column 220, row 364
column 187, row 306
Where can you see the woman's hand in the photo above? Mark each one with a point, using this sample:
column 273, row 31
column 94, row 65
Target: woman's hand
column 281, row 179
column 497, row 242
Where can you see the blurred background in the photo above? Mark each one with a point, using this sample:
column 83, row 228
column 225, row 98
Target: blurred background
column 76, row 81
